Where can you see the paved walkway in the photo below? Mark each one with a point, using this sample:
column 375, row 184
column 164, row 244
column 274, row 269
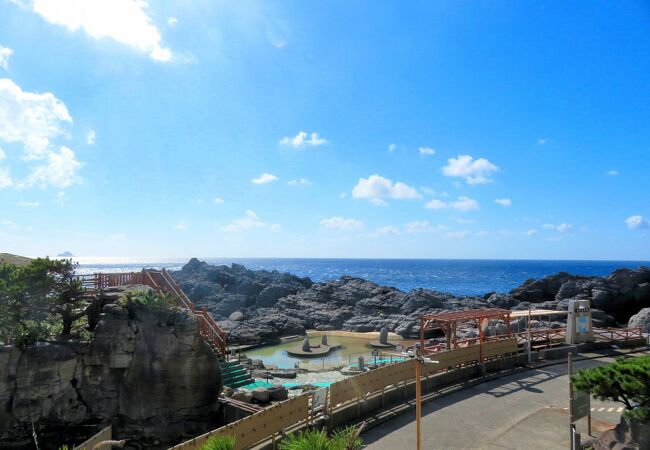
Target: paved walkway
column 527, row 410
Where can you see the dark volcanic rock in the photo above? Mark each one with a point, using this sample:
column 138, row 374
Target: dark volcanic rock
column 149, row 373
column 274, row 304
column 620, row 294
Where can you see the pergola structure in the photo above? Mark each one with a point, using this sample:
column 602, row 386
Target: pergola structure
column 448, row 323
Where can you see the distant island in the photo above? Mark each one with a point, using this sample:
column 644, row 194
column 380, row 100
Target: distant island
column 66, row 254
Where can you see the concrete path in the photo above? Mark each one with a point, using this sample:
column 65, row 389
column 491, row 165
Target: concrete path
column 528, row 410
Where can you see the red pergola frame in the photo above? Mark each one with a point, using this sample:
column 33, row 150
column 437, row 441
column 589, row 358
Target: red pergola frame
column 448, row 323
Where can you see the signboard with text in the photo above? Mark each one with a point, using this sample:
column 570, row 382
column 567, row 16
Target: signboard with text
column 580, row 405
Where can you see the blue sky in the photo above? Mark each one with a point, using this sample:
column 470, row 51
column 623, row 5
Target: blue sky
column 447, row 129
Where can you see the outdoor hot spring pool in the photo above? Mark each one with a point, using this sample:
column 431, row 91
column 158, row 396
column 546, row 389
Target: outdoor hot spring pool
column 349, row 352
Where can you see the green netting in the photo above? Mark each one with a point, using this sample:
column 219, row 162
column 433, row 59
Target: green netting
column 371, row 360
column 256, row 384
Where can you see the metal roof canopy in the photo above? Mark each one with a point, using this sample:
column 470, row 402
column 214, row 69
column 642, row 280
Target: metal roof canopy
column 448, row 322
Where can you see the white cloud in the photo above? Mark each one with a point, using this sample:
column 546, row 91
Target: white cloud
column 249, row 222
column 58, row 170
column 265, row 178
column 483, row 233
column 542, row 141
column 561, row 228
column 217, row 201
column 637, row 222
column 299, row 182
column 462, row 204
column 303, row 139
column 391, row 148
column 31, row 119
column 124, row 21
column 172, row 21
column 34, row 120
column 436, row 204
column 180, row 226
column 5, row 178
column 5, row 54
column 426, row 151
column 456, row 234
column 24, row 204
column 531, row 232
column 343, row 195
column 90, row 137
column 505, row 202
column 418, row 226
column 612, row 172
column 375, row 188
column 378, row 202
column 427, row 190
column 473, row 171
column 341, row 223
column 388, row 229
column 3, row 155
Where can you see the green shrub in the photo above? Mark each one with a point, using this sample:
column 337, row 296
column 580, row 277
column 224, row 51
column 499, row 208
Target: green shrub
column 219, row 443
column 626, row 380
column 346, row 439
column 146, row 299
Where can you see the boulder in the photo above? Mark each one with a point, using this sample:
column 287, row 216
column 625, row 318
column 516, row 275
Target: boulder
column 641, row 319
column 627, row 435
column 261, row 394
column 242, row 395
column 237, row 316
column 278, row 393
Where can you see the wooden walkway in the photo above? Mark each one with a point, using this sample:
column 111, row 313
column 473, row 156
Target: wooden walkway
column 161, row 281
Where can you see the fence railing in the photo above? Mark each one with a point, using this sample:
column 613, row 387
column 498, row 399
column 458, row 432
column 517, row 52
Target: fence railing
column 619, row 334
column 550, row 336
column 161, row 281
column 290, row 413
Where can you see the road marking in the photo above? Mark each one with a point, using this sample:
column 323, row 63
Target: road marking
column 610, row 409
column 620, row 409
column 601, row 409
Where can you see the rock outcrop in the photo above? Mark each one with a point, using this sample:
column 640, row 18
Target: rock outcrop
column 627, row 435
column 262, row 306
column 149, row 373
column 641, row 319
column 620, row 295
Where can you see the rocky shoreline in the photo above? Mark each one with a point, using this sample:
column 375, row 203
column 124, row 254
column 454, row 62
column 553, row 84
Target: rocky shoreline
column 262, row 306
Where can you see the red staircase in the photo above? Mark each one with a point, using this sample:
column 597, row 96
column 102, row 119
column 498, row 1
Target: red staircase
column 162, row 281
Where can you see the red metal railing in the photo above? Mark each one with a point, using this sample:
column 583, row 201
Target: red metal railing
column 161, row 281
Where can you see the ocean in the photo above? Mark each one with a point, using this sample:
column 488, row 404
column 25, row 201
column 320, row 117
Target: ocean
column 456, row 276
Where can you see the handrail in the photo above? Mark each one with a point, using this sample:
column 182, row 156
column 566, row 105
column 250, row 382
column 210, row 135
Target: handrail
column 161, row 281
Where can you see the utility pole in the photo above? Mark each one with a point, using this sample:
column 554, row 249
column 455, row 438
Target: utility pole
column 529, row 344
column 419, row 362
column 418, row 400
